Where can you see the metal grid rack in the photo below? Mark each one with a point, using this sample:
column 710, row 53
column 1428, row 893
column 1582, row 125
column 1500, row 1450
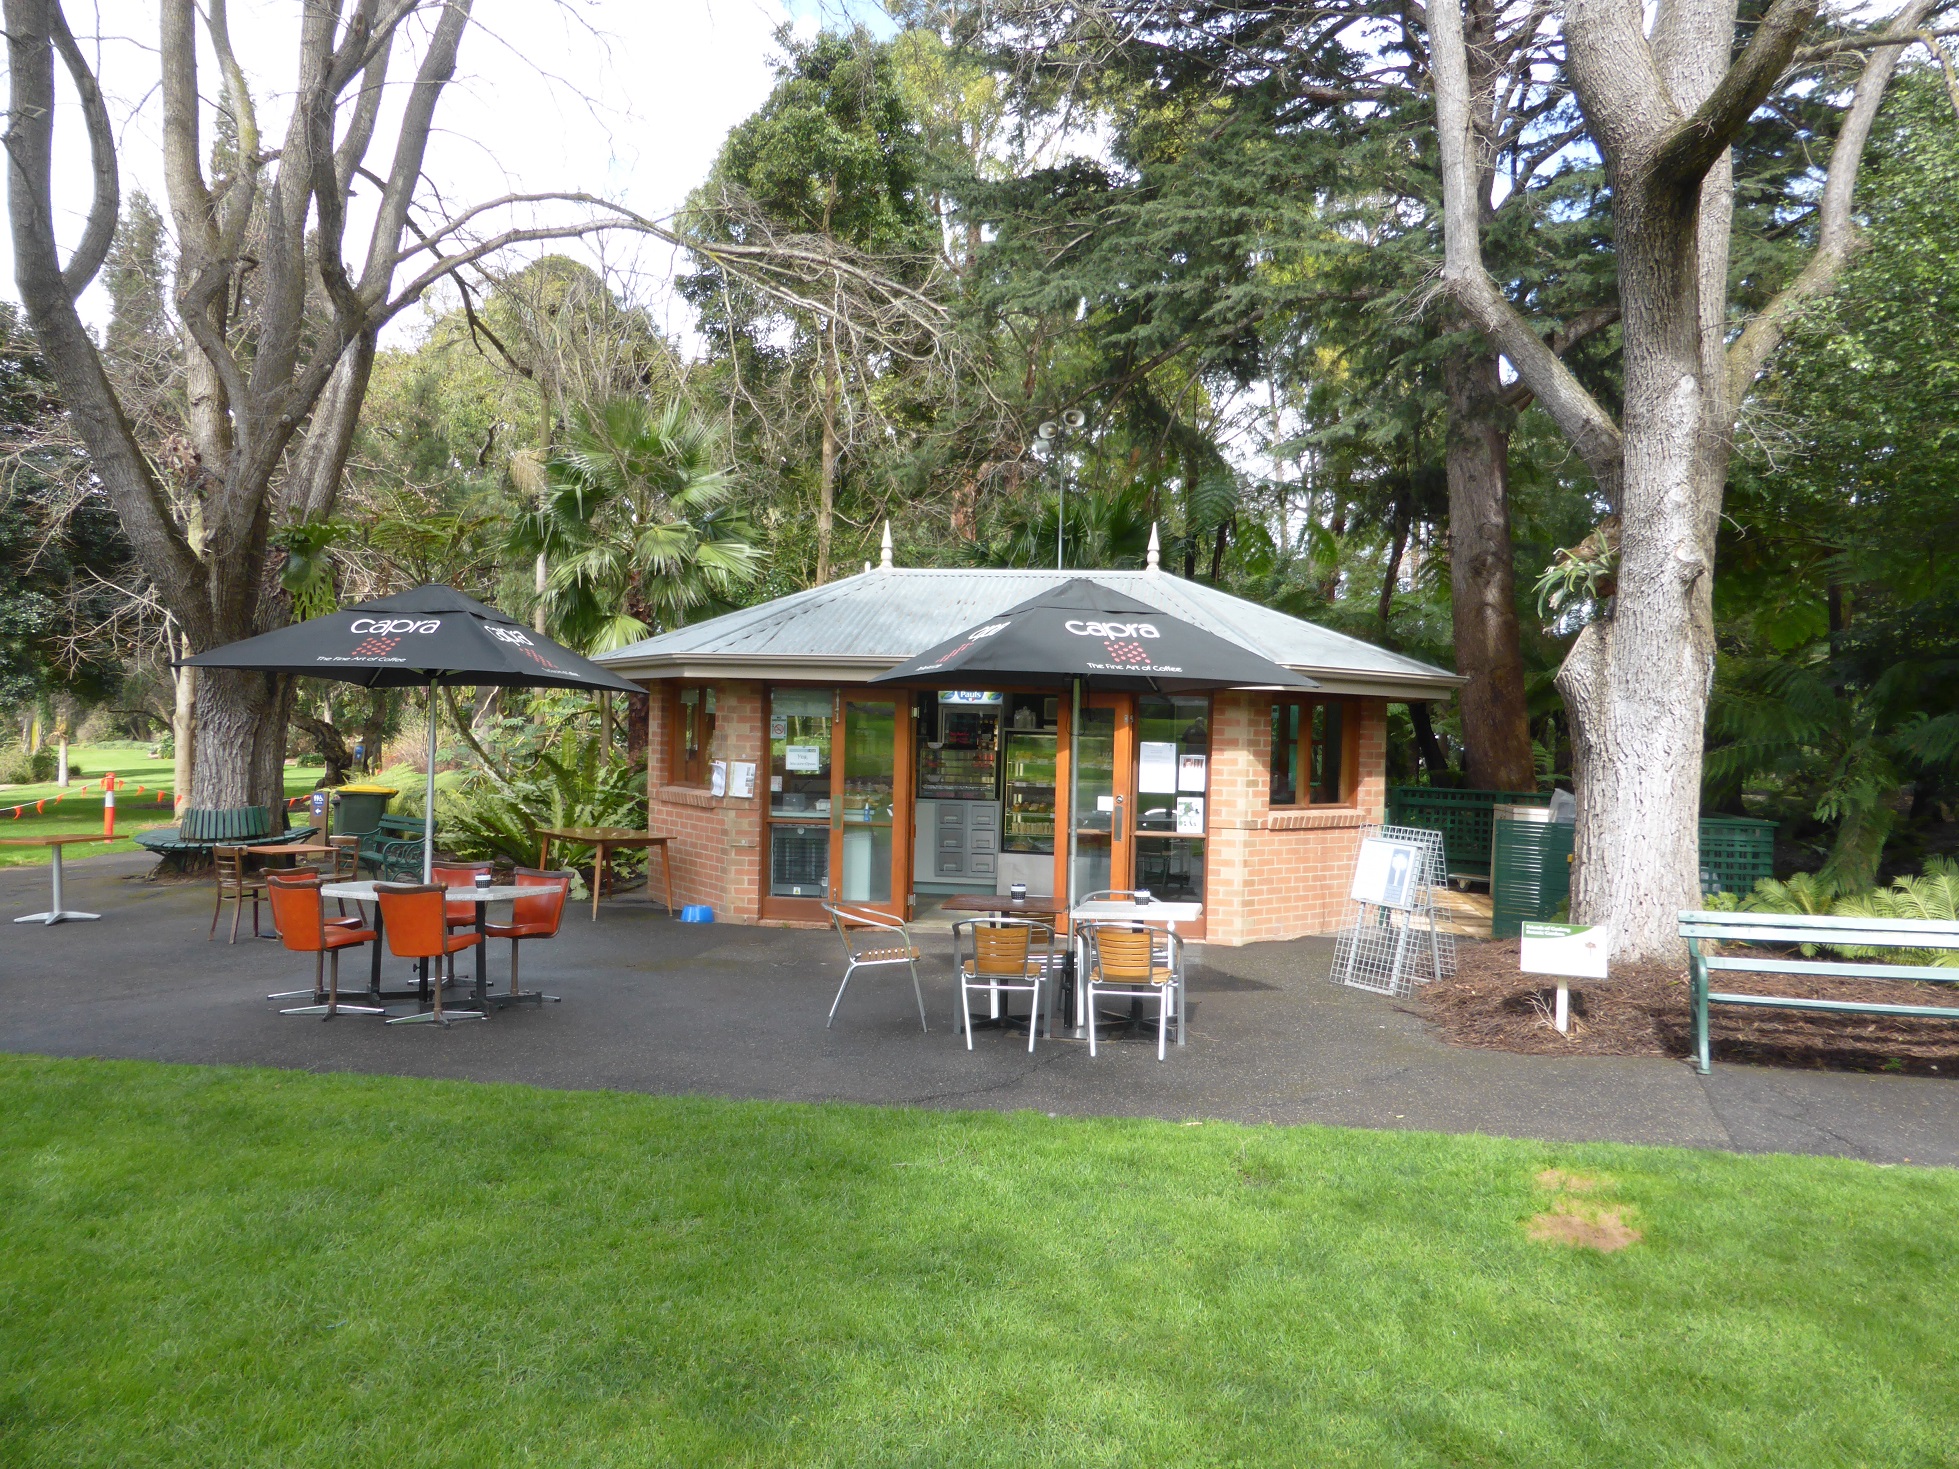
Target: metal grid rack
column 1388, row 951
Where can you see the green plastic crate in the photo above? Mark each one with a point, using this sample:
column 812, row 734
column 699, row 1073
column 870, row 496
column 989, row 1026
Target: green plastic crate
column 1463, row 818
column 1530, row 873
column 1737, row 852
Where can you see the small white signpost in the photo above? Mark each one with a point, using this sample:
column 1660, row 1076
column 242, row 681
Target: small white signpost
column 1569, row 951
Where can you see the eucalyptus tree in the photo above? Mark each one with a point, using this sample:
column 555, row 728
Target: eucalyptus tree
column 1663, row 101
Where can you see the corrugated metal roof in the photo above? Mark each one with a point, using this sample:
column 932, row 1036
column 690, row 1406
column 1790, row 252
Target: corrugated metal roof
column 882, row 617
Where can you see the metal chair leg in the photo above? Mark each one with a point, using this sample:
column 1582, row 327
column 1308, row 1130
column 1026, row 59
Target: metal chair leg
column 1033, row 1013
column 918, row 993
column 964, row 1019
column 848, row 970
column 1089, row 991
column 1162, row 1020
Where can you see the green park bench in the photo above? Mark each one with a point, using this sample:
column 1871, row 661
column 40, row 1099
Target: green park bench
column 200, row 829
column 392, row 851
column 1795, row 930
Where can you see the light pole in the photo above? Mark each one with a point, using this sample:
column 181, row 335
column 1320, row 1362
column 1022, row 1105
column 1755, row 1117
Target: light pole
column 1051, row 434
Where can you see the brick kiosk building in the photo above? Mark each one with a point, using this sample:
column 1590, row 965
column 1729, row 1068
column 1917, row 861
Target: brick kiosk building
column 785, row 779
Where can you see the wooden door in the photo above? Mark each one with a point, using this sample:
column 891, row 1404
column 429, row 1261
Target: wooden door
column 1103, row 786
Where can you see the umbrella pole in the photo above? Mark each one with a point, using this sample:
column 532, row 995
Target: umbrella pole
column 428, row 804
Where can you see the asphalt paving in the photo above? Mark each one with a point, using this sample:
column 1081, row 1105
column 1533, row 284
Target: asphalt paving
column 653, row 1005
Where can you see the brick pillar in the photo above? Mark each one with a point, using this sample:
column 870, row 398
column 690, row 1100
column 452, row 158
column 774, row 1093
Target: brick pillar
column 716, row 848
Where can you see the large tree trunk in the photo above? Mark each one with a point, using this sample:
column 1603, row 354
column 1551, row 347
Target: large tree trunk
column 1482, row 578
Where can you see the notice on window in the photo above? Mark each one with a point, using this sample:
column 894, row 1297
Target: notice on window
column 741, row 779
column 718, row 783
column 1156, row 770
column 1190, row 773
column 803, row 757
column 1190, row 816
column 779, row 727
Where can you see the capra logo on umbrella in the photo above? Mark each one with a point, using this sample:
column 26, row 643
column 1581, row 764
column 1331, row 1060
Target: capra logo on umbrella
column 1128, row 653
column 375, row 647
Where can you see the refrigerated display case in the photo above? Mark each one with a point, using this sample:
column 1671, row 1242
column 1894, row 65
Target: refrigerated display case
column 958, row 758
column 1028, row 763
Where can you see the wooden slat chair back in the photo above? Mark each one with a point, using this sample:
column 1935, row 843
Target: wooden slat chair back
column 1009, row 955
column 1133, row 960
column 873, row 940
column 1865, row 936
column 237, row 884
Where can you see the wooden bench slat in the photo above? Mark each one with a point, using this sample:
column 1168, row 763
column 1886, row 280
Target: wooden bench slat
column 1744, row 965
column 1851, row 1007
column 1816, row 923
column 1934, row 936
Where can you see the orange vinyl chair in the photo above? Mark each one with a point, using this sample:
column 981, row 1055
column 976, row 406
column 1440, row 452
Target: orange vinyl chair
column 413, row 917
column 458, row 875
column 300, row 915
column 536, row 915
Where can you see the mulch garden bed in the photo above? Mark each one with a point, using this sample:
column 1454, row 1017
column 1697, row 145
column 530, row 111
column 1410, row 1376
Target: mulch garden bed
column 1643, row 1011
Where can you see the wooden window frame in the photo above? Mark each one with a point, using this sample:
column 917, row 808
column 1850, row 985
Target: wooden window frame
column 1350, row 712
column 681, row 770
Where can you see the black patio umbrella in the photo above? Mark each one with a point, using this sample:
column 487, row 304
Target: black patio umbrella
column 1083, row 633
column 432, row 635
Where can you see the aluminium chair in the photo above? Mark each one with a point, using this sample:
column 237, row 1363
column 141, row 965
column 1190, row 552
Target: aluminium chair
column 536, row 915
column 236, row 882
column 1009, row 955
column 299, row 913
column 1124, row 960
column 873, row 941
column 414, row 920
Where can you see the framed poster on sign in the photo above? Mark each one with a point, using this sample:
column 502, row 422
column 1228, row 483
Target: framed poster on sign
column 1387, row 873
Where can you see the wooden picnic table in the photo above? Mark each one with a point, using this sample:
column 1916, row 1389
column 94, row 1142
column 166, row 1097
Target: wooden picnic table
column 603, row 839
column 56, row 913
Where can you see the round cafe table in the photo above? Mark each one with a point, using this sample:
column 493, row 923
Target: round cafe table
column 56, row 913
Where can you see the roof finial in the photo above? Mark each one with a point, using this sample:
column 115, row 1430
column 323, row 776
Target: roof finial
column 884, row 554
column 1155, row 549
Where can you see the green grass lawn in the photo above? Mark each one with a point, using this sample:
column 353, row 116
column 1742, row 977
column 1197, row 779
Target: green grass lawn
column 223, row 1266
column 82, row 810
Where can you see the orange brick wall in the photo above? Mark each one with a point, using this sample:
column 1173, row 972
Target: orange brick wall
column 1278, row 875
column 717, row 847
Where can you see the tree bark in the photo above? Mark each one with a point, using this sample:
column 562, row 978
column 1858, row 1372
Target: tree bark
column 1483, row 579
column 1663, row 112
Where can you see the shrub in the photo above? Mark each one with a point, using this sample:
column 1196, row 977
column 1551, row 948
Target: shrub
column 19, row 768
column 492, row 817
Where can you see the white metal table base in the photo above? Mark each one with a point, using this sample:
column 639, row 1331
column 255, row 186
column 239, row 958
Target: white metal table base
column 56, row 913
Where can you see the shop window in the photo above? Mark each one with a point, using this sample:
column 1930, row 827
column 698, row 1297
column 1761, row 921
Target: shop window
column 1309, row 752
column 1172, row 789
column 693, row 734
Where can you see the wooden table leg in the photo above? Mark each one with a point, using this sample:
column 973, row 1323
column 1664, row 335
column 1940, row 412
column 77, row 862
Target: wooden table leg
column 544, row 854
column 666, row 866
column 598, row 877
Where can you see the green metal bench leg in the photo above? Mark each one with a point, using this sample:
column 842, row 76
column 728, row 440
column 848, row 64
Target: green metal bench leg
column 1697, row 972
